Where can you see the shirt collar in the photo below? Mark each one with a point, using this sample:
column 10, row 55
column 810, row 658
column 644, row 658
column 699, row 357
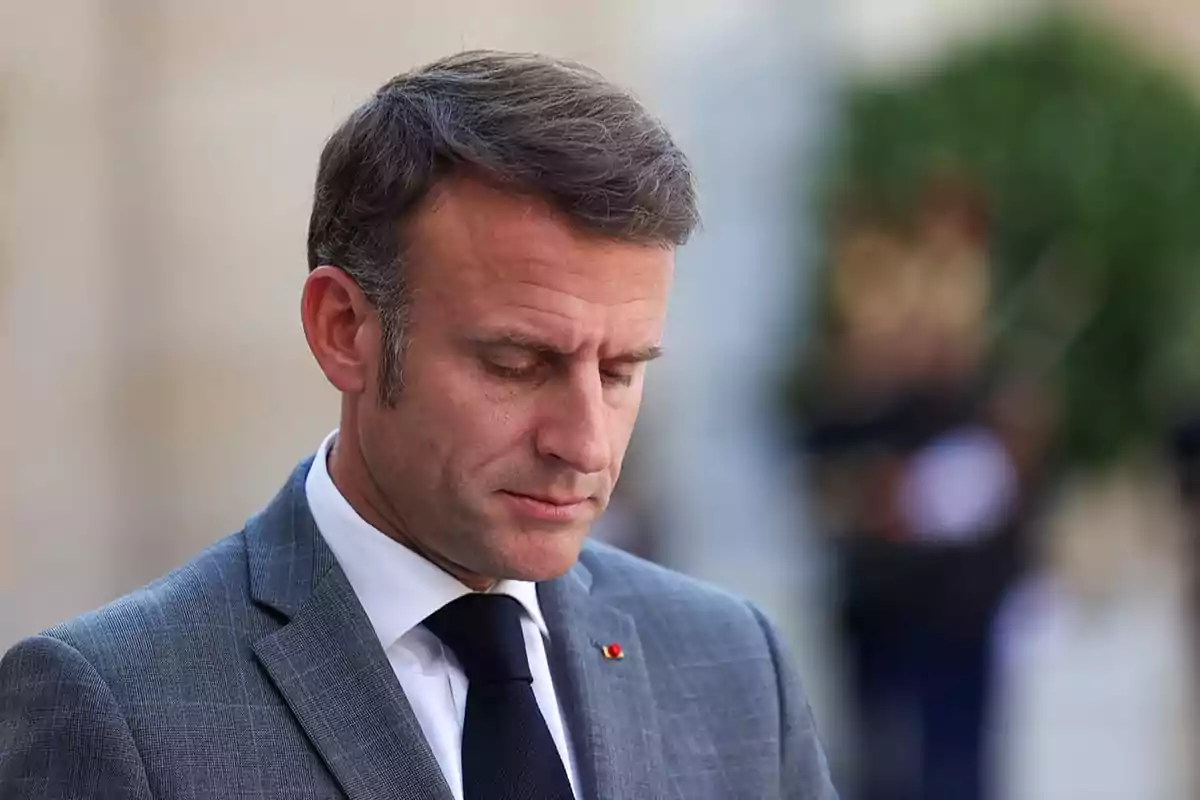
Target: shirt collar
column 397, row 588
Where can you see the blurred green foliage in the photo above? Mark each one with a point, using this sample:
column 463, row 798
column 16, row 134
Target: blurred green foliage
column 1088, row 156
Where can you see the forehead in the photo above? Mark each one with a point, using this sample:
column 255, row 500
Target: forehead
column 482, row 255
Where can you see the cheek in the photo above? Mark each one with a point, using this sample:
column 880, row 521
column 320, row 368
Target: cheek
column 485, row 423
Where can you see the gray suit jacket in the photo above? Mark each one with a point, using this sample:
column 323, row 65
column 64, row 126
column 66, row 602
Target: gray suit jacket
column 252, row 672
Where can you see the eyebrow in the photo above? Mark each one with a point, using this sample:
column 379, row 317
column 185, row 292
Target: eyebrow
column 533, row 345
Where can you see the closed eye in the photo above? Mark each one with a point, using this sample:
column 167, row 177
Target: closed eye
column 616, row 377
column 513, row 372
column 516, row 359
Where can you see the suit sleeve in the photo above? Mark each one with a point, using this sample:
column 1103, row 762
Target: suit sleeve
column 804, row 771
column 62, row 734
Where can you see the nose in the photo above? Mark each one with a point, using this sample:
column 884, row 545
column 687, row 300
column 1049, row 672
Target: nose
column 574, row 427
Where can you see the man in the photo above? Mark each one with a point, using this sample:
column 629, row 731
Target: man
column 417, row 614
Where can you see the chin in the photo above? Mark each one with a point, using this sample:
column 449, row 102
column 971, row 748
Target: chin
column 540, row 556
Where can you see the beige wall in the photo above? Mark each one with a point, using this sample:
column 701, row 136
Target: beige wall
column 58, row 348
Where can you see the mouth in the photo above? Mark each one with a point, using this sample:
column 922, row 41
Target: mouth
column 551, row 508
column 552, row 500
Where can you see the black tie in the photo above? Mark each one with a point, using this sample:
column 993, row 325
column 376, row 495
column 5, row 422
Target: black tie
column 507, row 750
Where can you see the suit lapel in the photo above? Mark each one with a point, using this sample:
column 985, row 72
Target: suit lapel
column 327, row 663
column 608, row 703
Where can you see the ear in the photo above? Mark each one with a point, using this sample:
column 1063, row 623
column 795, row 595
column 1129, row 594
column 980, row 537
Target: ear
column 341, row 328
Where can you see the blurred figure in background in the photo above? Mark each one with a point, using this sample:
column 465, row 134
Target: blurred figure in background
column 928, row 461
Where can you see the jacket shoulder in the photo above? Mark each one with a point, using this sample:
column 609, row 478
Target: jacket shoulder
column 183, row 609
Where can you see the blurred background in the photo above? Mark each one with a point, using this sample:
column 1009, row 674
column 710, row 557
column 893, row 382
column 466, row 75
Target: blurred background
column 933, row 392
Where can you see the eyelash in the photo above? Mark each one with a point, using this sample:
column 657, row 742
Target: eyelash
column 619, row 379
column 512, row 373
column 519, row 373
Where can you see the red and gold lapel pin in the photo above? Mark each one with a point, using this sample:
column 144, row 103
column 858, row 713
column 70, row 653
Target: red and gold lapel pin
column 612, row 651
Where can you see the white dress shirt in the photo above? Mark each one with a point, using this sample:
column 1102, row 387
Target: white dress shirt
column 399, row 589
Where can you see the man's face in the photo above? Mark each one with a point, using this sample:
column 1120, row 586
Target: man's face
column 523, row 374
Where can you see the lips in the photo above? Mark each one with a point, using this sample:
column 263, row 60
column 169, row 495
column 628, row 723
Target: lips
column 549, row 499
column 548, row 508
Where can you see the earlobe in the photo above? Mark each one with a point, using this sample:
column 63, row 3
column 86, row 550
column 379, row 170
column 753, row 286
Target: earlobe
column 333, row 311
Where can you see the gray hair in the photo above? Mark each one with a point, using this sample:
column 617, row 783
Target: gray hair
column 539, row 126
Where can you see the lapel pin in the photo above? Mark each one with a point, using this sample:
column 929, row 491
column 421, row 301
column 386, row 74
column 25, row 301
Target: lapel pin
column 612, row 651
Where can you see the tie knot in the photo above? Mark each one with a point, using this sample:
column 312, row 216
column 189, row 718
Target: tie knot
column 484, row 631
